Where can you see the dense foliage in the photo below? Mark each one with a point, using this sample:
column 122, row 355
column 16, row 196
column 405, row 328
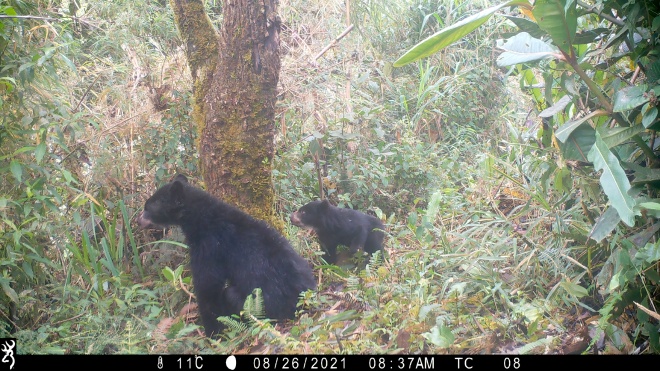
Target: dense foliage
column 518, row 192
column 594, row 73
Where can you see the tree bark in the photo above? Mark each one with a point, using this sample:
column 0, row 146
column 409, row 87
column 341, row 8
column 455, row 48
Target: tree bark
column 235, row 74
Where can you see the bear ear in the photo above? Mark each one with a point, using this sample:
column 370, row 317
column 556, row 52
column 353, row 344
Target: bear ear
column 325, row 203
column 176, row 190
column 180, row 178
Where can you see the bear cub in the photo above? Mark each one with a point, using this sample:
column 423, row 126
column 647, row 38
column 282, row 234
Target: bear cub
column 231, row 254
column 336, row 226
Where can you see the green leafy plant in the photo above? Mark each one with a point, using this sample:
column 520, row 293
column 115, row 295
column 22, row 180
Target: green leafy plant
column 594, row 108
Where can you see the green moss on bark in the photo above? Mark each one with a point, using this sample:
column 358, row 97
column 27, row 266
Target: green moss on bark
column 235, row 77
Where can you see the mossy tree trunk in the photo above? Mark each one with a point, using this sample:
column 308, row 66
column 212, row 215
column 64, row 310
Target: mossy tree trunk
column 235, row 73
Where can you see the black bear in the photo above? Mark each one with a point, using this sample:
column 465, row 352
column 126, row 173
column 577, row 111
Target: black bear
column 231, row 254
column 338, row 226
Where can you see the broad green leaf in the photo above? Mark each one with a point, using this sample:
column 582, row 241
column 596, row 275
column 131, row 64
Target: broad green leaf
column 650, row 205
column 315, row 148
column 641, row 238
column 23, row 150
column 615, row 282
column 11, row 294
column 168, row 274
column 524, row 48
column 25, row 66
column 67, row 176
column 40, row 151
column 613, row 180
column 440, row 336
column 451, row 34
column 653, row 71
column 605, row 224
column 645, row 175
column 16, row 170
column 528, row 26
column 603, row 278
column 51, row 206
column 27, row 268
column 179, row 271
column 8, row 10
column 563, row 180
column 559, row 19
column 557, row 107
column 649, row 116
column 618, row 135
column 530, row 311
column 589, row 36
column 564, row 131
column 574, row 289
column 579, row 143
column 629, row 98
column 650, row 253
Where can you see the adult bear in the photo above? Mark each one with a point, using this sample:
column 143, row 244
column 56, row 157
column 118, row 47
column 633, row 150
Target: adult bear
column 231, row 254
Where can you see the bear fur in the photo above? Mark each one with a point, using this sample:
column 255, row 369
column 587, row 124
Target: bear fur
column 336, row 226
column 231, row 254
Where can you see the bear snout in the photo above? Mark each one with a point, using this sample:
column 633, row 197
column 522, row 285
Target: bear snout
column 144, row 222
column 295, row 220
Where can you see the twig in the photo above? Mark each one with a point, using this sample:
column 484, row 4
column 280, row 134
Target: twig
column 68, row 319
column 599, row 12
column 334, row 42
column 183, row 287
column 85, row 94
column 647, row 311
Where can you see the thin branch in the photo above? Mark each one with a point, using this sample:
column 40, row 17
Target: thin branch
column 599, row 12
column 86, row 92
column 334, row 42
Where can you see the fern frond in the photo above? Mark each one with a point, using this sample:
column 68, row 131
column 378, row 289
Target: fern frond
column 353, row 283
column 254, row 305
column 529, row 347
column 233, row 324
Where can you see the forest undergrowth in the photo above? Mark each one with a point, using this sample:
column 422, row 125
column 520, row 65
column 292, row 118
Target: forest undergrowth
column 487, row 245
